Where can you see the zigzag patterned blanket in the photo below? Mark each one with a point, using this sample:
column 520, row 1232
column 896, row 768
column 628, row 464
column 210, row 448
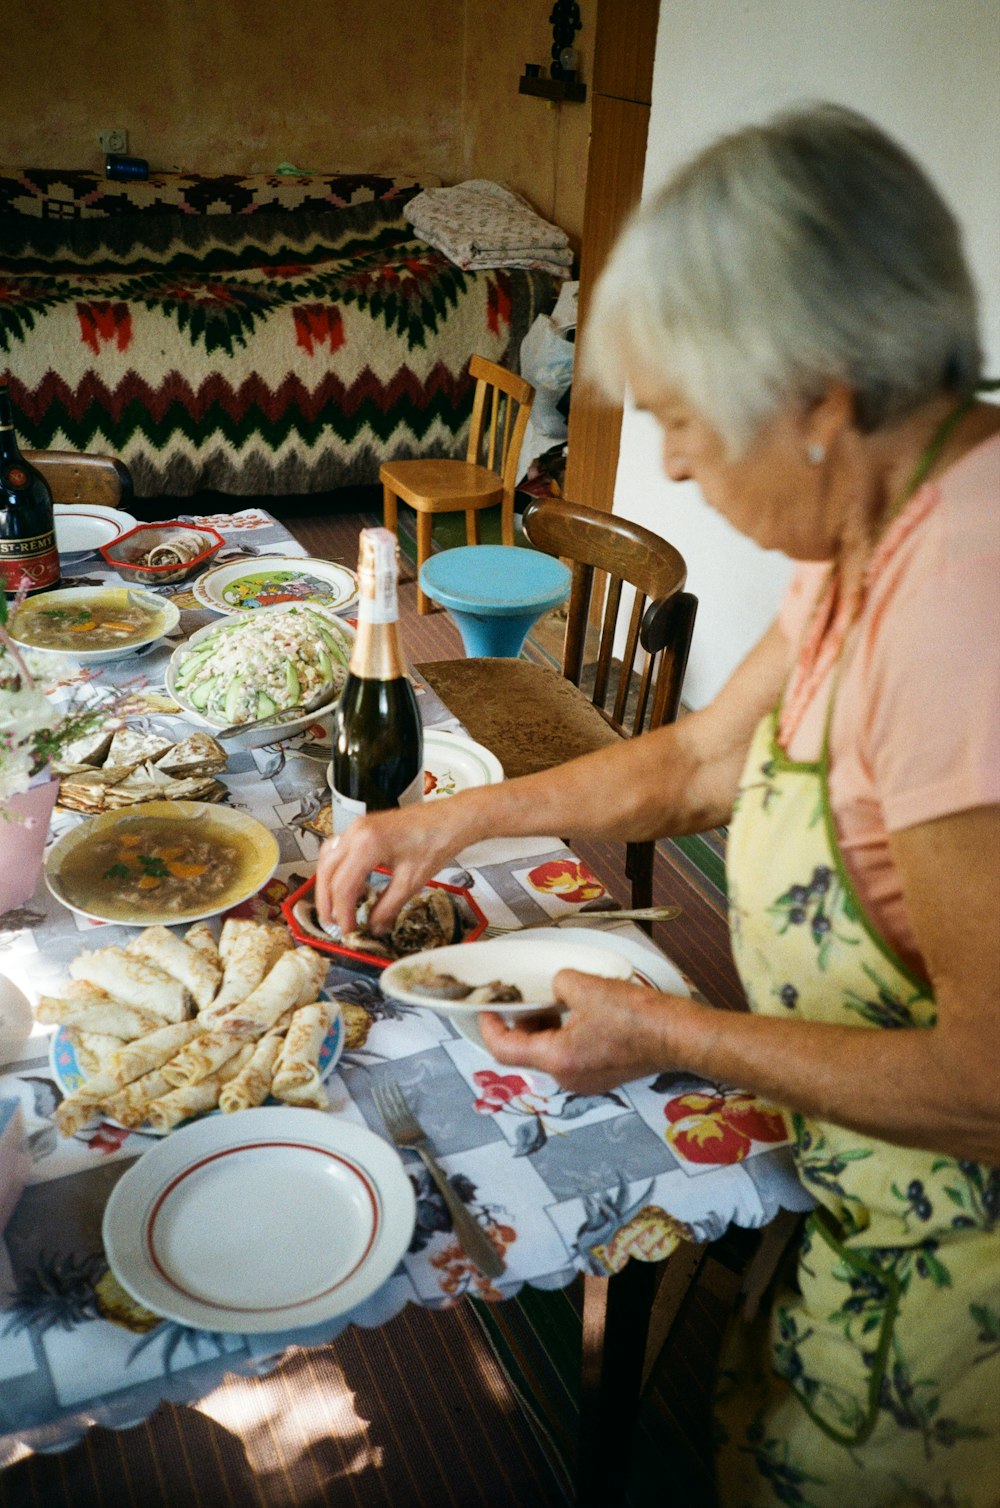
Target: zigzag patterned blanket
column 268, row 349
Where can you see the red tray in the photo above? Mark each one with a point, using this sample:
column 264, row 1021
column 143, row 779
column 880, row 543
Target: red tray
column 327, row 945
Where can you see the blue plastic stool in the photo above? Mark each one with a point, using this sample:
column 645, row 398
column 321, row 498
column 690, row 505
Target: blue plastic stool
column 495, row 593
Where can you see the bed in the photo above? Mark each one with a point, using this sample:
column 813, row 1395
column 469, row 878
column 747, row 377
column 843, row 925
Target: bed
column 259, row 336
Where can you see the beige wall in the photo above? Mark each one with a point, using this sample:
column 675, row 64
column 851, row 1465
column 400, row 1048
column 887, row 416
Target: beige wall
column 418, row 86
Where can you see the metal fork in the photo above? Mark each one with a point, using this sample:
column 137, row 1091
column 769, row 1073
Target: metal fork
column 406, row 1131
column 639, row 914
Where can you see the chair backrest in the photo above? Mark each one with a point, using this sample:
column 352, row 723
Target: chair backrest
column 661, row 620
column 500, row 410
column 76, row 478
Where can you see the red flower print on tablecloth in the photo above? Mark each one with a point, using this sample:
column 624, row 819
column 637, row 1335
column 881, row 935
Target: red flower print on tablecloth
column 496, row 1090
column 569, row 879
column 721, row 1127
column 265, row 906
column 102, row 323
column 318, row 326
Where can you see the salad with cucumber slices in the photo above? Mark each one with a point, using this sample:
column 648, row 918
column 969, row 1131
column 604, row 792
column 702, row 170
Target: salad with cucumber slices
column 258, row 663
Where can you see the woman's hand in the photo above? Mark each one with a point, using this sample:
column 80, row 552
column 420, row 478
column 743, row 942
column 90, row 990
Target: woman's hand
column 613, row 1033
column 413, row 842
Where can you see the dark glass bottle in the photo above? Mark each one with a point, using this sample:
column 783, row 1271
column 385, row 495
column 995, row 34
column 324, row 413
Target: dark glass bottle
column 28, row 555
column 378, row 745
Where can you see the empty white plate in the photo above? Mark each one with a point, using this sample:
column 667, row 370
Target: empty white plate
column 266, row 1220
column 82, row 528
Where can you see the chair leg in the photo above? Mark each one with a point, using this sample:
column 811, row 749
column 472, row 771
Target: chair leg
column 472, row 526
column 425, row 522
column 507, row 521
column 390, row 516
column 639, row 869
column 616, row 1315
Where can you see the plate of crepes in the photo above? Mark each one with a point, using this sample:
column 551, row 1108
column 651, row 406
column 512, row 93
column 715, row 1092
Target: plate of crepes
column 270, row 1220
column 167, row 1028
column 110, row 768
column 437, row 915
column 272, row 581
column 163, row 862
column 258, row 664
column 93, row 624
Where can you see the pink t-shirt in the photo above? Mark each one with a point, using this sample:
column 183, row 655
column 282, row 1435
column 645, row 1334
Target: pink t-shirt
column 916, row 724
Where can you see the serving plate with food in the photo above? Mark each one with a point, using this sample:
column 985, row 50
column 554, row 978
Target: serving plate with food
column 161, row 554
column 502, row 974
column 93, row 624
column 110, row 768
column 271, row 1220
column 453, row 762
column 259, row 664
column 277, row 581
column 82, row 528
column 165, row 862
column 438, row 915
column 168, row 1027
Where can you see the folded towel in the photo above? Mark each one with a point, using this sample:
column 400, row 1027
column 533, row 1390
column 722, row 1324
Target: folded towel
column 481, row 224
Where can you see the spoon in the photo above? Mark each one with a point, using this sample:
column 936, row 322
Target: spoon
column 276, row 719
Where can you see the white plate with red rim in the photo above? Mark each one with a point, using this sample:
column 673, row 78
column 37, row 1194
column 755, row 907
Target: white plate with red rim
column 268, row 1220
column 453, row 762
column 82, row 528
column 649, row 966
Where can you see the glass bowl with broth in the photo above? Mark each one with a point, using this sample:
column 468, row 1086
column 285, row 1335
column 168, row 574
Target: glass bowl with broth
column 92, row 624
column 170, row 862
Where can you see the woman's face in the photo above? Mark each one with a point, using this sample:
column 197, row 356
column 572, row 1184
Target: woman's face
column 770, row 493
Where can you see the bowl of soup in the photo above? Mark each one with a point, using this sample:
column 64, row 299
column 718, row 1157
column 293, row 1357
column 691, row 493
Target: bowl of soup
column 92, row 624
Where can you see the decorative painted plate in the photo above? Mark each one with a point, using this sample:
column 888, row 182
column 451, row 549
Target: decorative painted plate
column 276, row 581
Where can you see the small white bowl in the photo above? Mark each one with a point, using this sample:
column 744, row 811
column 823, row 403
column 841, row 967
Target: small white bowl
column 167, row 618
column 530, row 967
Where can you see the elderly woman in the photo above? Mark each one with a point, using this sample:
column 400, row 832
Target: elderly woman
column 795, row 311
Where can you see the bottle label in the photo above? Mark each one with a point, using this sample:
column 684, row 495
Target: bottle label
column 378, row 601
column 346, row 811
column 31, row 563
column 15, row 476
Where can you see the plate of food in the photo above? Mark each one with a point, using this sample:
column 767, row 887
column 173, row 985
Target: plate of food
column 453, row 762
column 161, row 554
column 127, row 766
column 82, row 528
column 649, row 966
column 169, row 1027
column 502, row 974
column 257, row 664
column 437, row 916
column 277, row 581
column 270, row 1220
column 164, row 862
column 93, row 624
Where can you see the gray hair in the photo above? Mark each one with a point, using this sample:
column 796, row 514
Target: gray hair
column 808, row 249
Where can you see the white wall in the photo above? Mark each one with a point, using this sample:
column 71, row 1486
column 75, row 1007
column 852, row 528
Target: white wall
column 927, row 71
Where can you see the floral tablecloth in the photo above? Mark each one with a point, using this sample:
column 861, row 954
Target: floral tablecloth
column 566, row 1182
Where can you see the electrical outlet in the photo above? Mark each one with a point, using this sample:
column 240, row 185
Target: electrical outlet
column 115, row 139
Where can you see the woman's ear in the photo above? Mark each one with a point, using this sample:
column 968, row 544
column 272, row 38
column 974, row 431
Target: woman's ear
column 826, row 420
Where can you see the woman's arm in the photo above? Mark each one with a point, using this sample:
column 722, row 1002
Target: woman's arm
column 680, row 779
column 934, row 1088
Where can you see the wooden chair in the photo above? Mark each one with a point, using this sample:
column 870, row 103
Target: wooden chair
column 76, row 478
column 488, row 475
column 531, row 716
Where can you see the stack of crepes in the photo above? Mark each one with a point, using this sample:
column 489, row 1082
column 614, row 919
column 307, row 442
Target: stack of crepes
column 480, row 224
column 110, row 769
column 167, row 1028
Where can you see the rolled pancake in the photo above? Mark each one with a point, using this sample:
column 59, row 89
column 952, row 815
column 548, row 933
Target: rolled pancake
column 134, row 981
column 126, row 1022
column 130, row 1105
column 79, row 994
column 198, row 973
column 195, row 1099
column 84, row 1104
column 292, row 981
column 93, row 1049
column 252, row 1084
column 204, row 1055
column 202, row 938
column 144, row 1055
column 296, row 1074
column 245, row 949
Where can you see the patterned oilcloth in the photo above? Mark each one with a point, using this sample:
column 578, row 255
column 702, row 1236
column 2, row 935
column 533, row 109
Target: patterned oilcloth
column 263, row 336
column 875, row 1378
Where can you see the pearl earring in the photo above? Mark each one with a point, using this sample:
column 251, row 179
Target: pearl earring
column 816, row 454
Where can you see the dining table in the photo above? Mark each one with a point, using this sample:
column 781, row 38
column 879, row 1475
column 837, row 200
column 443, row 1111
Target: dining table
column 597, row 1184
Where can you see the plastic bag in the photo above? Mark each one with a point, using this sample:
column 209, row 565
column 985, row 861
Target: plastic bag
column 547, row 363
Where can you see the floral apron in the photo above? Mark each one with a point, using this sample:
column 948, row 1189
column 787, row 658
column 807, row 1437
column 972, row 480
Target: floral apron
column 875, row 1377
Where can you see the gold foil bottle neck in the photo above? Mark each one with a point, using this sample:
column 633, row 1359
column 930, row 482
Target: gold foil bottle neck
column 378, row 653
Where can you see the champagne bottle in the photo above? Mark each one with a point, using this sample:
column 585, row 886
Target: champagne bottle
column 378, row 744
column 28, row 555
